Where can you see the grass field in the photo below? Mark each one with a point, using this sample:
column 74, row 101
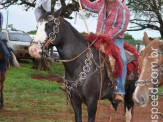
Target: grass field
column 27, row 99
column 30, row 100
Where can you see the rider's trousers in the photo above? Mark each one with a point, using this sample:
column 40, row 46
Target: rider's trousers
column 121, row 80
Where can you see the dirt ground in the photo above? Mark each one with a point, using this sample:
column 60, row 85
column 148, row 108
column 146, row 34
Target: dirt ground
column 107, row 113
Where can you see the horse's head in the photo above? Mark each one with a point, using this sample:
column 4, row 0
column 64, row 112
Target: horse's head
column 150, row 70
column 47, row 31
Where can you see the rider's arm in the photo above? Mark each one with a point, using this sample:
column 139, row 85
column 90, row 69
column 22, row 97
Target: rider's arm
column 90, row 6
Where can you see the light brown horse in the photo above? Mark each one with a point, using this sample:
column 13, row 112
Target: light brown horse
column 150, row 70
column 4, row 66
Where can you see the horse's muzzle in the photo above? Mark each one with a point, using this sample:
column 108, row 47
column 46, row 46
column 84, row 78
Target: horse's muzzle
column 34, row 51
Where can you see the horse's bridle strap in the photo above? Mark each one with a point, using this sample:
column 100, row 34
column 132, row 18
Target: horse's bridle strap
column 50, row 41
column 69, row 60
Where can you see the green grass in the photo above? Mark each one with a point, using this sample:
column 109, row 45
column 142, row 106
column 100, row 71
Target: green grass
column 27, row 99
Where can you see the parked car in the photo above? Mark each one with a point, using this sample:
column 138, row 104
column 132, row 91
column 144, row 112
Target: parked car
column 18, row 41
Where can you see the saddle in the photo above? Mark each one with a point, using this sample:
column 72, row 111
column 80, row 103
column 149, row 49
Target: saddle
column 113, row 62
column 110, row 66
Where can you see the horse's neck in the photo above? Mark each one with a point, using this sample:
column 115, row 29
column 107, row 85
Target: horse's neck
column 72, row 45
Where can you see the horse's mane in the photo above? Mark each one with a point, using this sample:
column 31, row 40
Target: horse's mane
column 79, row 35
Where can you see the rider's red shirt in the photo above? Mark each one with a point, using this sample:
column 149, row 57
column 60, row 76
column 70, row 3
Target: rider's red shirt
column 115, row 23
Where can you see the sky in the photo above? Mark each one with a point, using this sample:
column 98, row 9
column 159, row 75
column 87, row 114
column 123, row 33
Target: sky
column 25, row 20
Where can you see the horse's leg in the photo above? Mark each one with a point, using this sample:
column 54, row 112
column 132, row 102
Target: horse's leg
column 92, row 107
column 1, row 90
column 1, row 94
column 129, row 106
column 76, row 104
column 128, row 102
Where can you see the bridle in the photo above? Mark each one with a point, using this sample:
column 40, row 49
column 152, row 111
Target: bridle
column 51, row 38
column 159, row 66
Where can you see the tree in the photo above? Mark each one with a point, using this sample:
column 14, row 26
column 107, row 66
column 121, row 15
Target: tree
column 11, row 26
column 69, row 5
column 129, row 39
column 68, row 8
column 146, row 14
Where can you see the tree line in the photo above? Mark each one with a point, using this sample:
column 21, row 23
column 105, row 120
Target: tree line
column 145, row 14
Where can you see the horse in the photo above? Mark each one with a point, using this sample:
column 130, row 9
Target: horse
column 151, row 71
column 81, row 62
column 5, row 62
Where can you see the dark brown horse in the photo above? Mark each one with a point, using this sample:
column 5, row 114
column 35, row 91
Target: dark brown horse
column 5, row 61
column 151, row 71
column 81, row 62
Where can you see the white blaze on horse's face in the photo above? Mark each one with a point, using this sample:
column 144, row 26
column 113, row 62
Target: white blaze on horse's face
column 35, row 48
column 41, row 34
column 141, row 94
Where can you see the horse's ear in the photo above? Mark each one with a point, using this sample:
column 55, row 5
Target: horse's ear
column 146, row 39
column 59, row 12
column 42, row 10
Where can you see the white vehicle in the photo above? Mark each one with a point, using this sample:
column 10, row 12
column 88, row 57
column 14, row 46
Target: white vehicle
column 18, row 41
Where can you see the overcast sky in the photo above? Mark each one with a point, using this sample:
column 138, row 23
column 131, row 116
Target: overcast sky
column 26, row 21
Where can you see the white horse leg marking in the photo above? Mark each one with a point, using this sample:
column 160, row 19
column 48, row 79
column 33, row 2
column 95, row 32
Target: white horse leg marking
column 128, row 115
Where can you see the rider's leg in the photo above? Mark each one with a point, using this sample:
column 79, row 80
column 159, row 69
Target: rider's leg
column 5, row 50
column 121, row 79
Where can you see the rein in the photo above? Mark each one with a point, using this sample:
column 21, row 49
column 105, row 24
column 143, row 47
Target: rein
column 88, row 48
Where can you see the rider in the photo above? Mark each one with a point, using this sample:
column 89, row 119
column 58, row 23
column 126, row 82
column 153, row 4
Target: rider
column 3, row 46
column 113, row 18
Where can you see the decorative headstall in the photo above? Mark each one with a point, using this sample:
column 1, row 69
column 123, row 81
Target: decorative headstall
column 52, row 36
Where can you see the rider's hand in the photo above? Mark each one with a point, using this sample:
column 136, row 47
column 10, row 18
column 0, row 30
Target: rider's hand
column 100, row 34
